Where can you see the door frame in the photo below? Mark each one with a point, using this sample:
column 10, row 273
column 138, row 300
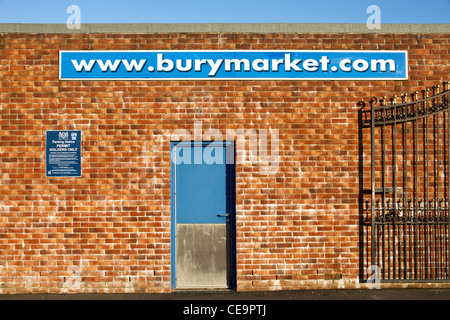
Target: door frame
column 230, row 204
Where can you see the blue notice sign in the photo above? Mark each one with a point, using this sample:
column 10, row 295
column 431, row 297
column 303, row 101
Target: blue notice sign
column 234, row 64
column 63, row 153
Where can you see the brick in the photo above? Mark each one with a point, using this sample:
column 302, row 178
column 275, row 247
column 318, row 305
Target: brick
column 297, row 229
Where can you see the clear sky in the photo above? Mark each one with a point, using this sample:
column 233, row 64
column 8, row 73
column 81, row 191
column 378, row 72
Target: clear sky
column 225, row 11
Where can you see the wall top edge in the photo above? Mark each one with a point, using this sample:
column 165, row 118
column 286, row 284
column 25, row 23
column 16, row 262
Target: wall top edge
column 223, row 28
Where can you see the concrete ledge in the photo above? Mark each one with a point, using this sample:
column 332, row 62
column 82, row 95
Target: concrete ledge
column 224, row 28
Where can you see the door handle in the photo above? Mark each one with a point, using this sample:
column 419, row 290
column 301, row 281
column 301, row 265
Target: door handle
column 224, row 215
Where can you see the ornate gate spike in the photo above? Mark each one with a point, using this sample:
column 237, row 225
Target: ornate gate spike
column 404, row 96
column 393, row 99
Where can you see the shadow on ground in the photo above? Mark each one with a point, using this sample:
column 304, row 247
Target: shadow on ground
column 375, row 294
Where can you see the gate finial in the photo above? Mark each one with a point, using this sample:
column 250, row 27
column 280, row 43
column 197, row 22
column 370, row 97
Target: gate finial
column 438, row 87
column 393, row 99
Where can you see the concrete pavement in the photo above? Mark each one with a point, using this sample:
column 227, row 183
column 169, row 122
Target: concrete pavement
column 365, row 294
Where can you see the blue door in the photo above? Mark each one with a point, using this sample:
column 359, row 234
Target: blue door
column 202, row 214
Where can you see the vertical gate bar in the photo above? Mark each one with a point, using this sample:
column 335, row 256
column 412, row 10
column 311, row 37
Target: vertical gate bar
column 386, row 200
column 405, row 192
column 426, row 189
column 442, row 190
column 441, row 127
column 438, row 189
column 407, row 204
column 447, row 98
column 411, row 213
column 444, row 193
column 394, row 192
column 416, row 186
column 372, row 181
column 421, row 201
column 405, row 197
column 443, row 206
column 383, row 186
column 433, row 207
column 442, row 202
column 446, row 188
column 437, row 246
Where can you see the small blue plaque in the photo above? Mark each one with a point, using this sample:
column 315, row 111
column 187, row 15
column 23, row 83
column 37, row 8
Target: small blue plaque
column 63, row 153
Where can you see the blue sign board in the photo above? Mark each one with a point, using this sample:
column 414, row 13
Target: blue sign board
column 234, row 64
column 63, row 153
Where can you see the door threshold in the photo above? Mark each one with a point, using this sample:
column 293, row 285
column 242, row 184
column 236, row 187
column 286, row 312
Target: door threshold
column 202, row 289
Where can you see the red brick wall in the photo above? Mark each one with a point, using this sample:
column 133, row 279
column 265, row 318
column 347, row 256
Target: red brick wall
column 298, row 228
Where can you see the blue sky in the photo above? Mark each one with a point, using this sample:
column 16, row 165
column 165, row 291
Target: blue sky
column 224, row 11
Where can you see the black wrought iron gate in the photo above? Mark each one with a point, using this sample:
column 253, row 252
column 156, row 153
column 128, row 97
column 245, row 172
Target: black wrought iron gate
column 407, row 216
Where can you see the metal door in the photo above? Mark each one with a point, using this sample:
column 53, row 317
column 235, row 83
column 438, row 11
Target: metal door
column 202, row 214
